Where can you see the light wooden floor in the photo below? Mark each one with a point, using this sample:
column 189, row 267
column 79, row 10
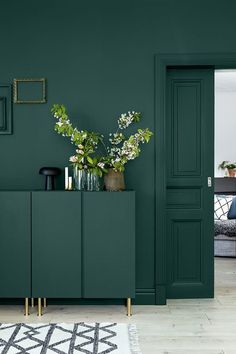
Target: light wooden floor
column 206, row 326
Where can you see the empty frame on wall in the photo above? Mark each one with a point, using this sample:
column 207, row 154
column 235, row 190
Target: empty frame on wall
column 5, row 109
column 29, row 90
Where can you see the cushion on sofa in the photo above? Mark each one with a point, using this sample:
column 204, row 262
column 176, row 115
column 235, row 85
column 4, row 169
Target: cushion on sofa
column 232, row 209
column 222, row 206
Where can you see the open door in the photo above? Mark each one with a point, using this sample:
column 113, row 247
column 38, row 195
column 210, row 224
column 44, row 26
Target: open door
column 189, row 182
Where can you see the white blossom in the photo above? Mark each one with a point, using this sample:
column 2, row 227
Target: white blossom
column 125, row 120
column 101, row 164
column 73, row 158
column 116, row 139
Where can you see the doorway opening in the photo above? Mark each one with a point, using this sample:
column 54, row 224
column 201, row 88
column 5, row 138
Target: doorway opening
column 225, row 181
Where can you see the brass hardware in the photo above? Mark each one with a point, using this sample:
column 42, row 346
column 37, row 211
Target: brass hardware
column 26, row 306
column 32, row 302
column 39, row 307
column 44, row 302
column 129, row 311
column 16, row 82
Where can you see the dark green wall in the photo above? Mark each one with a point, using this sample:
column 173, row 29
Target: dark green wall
column 98, row 58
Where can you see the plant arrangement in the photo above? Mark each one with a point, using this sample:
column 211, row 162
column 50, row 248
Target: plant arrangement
column 123, row 149
column 229, row 166
column 86, row 142
column 118, row 151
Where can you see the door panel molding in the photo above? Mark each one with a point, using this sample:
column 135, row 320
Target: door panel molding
column 186, row 240
column 184, row 198
column 162, row 62
column 180, row 118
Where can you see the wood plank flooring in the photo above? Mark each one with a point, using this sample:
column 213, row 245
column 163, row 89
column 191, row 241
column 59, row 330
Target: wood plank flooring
column 201, row 326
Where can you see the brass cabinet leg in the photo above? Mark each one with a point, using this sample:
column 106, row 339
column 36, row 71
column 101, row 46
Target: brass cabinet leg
column 26, row 306
column 32, row 302
column 44, row 302
column 129, row 312
column 39, row 307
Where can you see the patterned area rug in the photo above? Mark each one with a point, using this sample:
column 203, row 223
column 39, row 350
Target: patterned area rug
column 62, row 338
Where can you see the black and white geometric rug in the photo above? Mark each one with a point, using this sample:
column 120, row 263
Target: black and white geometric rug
column 63, row 338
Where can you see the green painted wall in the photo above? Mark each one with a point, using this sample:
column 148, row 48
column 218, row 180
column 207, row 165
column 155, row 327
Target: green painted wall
column 98, row 58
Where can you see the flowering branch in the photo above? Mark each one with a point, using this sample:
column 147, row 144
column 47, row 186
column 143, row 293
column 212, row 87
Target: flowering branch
column 118, row 155
column 86, row 142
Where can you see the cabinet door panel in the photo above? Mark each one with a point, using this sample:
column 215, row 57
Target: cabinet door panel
column 109, row 244
column 56, row 244
column 15, row 244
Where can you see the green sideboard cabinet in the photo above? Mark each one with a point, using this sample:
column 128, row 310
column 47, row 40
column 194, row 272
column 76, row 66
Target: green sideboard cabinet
column 15, row 244
column 67, row 245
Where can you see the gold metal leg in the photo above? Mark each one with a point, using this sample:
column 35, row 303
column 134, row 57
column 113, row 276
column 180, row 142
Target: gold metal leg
column 32, row 302
column 44, row 302
column 26, row 306
column 39, row 307
column 129, row 312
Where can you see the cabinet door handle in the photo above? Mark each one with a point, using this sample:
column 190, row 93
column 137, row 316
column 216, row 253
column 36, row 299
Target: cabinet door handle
column 209, row 182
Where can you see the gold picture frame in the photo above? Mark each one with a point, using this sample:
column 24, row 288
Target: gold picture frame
column 16, row 83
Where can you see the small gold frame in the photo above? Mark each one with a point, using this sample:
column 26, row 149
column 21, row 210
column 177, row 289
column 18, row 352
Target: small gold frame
column 16, row 90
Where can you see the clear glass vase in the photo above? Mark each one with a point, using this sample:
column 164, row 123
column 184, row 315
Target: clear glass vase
column 92, row 182
column 79, row 179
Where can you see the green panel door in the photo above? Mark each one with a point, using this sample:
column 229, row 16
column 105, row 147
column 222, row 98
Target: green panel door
column 15, row 244
column 190, row 157
column 56, row 244
column 108, row 244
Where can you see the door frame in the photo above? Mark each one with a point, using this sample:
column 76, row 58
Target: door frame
column 162, row 62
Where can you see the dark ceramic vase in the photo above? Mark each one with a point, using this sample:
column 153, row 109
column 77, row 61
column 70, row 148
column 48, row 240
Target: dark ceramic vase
column 114, row 181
